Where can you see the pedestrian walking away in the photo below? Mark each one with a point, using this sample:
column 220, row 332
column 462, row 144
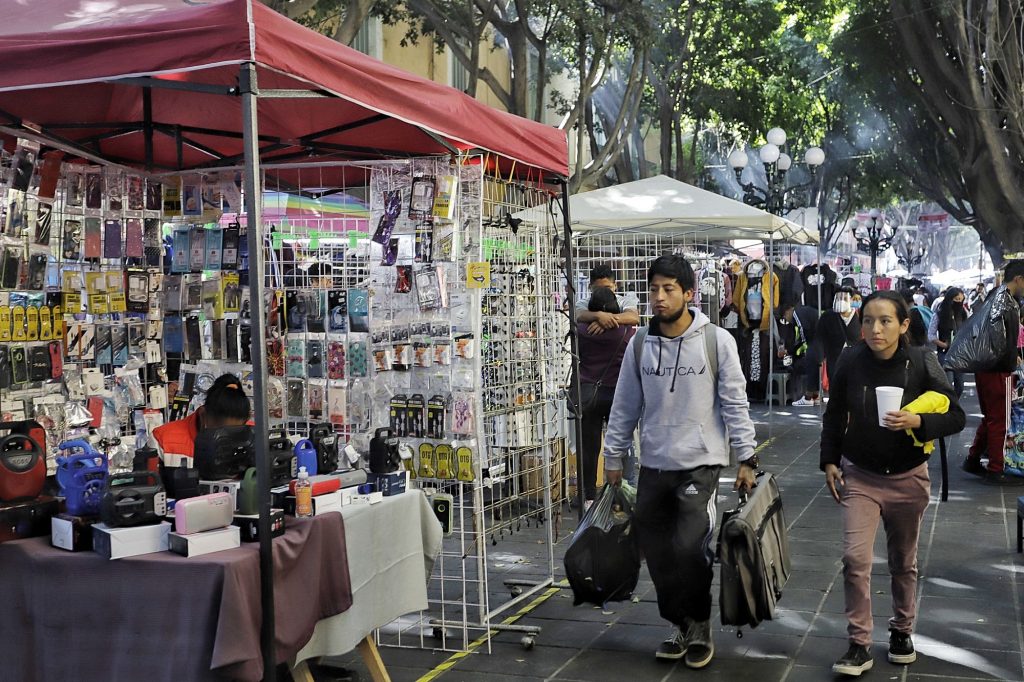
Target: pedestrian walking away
column 889, row 401
column 690, row 416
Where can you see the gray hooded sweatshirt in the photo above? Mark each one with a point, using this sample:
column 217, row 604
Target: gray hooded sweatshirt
column 686, row 424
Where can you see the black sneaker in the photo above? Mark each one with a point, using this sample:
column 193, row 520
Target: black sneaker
column 700, row 649
column 1000, row 478
column 973, row 466
column 901, row 648
column 855, row 661
column 673, row 648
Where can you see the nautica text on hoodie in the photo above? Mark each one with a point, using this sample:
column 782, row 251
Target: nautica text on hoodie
column 685, row 422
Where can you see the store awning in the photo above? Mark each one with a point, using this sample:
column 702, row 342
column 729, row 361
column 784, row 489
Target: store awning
column 662, row 204
column 61, row 57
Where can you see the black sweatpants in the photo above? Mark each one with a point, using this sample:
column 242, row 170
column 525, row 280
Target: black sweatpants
column 595, row 416
column 675, row 516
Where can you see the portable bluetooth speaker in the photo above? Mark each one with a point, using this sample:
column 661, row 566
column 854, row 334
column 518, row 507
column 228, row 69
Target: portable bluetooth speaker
column 224, row 453
column 82, row 477
column 205, row 512
column 134, row 499
column 22, row 461
column 282, row 459
column 384, row 456
column 305, row 456
column 326, row 443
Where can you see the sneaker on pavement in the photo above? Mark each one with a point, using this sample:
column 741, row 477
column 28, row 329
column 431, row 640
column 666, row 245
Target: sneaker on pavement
column 1000, row 478
column 901, row 648
column 673, row 648
column 854, row 662
column 804, row 402
column 972, row 466
column 700, row 649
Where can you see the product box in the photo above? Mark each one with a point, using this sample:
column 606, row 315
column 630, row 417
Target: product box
column 121, row 543
column 27, row 519
column 227, row 486
column 322, row 504
column 389, row 484
column 73, row 533
column 249, row 525
column 367, row 498
column 207, row 542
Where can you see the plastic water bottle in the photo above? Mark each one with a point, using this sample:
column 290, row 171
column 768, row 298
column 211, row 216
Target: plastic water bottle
column 303, row 495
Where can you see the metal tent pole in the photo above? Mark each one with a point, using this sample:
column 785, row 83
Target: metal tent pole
column 574, row 344
column 252, row 187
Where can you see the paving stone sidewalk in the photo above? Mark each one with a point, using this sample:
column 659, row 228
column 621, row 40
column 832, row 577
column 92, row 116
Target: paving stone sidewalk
column 971, row 587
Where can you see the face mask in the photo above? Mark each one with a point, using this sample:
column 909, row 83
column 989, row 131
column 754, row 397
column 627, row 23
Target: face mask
column 855, row 305
column 842, row 307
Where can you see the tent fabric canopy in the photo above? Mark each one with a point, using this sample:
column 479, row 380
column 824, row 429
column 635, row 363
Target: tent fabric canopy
column 62, row 59
column 662, row 204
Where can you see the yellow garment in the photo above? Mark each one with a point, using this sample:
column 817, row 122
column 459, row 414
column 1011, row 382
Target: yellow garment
column 929, row 402
column 769, row 282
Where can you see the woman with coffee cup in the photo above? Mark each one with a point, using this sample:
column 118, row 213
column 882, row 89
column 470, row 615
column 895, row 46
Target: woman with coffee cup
column 875, row 471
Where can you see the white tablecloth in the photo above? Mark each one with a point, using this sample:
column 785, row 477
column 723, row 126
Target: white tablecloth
column 391, row 550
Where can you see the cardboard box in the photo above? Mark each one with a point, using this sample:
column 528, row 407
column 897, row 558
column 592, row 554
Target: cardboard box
column 368, row 498
column 28, row 519
column 249, row 524
column 73, row 533
column 120, row 543
column 228, row 486
column 207, row 542
column 389, row 484
column 322, row 504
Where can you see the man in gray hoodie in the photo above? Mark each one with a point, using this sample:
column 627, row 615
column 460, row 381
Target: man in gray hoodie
column 691, row 418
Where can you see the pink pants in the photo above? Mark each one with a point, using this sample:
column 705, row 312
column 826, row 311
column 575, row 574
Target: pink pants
column 899, row 500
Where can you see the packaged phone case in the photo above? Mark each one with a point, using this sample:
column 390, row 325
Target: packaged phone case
column 315, row 358
column 94, row 189
column 296, row 398
column 23, row 165
column 336, row 360
column 115, row 190
column 337, row 403
column 133, row 240
column 359, row 310
column 93, row 238
column 229, row 254
column 104, row 347
column 136, row 193
column 275, row 398
column 197, row 248
column 16, row 210
column 358, row 358
column 119, row 344
column 112, row 239
column 317, row 398
column 44, row 217
column 296, row 357
column 71, row 241
column 193, row 339
column 214, row 249
column 154, row 195
column 337, row 310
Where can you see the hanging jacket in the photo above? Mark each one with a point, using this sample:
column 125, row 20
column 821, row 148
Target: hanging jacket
column 739, row 298
column 811, row 276
column 791, row 284
column 850, row 426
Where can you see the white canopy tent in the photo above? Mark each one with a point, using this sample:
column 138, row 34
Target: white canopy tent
column 662, row 204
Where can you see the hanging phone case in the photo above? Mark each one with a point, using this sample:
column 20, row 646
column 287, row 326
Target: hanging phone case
column 174, row 334
column 153, row 242
column 154, row 195
column 275, row 398
column 133, row 239
column 427, row 469
column 93, row 190
column 71, row 242
column 115, row 191
column 39, row 364
column 112, row 239
column 19, row 365
column 296, row 398
column 56, row 360
column 358, row 359
column 93, row 238
column 231, row 340
column 317, row 390
column 6, row 375
column 315, row 358
column 337, row 311
column 315, row 315
column 58, row 323
column 275, row 355
column 296, row 357
column 44, row 218
column 193, row 339
column 37, row 271
column 11, row 268
column 337, row 400
column 336, row 360
column 136, row 193
column 229, row 254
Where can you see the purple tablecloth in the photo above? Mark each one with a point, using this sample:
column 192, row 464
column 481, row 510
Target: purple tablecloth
column 160, row 617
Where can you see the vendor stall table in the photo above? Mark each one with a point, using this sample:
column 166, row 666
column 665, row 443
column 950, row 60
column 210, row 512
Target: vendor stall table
column 164, row 617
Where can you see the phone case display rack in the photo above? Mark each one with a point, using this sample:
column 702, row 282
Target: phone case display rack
column 429, row 309
column 630, row 253
column 80, row 301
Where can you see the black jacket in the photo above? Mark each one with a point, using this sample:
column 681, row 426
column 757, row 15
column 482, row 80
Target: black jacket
column 850, row 426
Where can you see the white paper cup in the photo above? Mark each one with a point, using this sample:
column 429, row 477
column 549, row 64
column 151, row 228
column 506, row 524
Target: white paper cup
column 889, row 399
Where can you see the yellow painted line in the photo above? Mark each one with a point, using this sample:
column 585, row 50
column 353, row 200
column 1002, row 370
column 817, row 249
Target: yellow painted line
column 479, row 641
column 763, row 445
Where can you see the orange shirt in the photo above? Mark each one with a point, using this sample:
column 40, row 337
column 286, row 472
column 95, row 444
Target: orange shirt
column 179, row 437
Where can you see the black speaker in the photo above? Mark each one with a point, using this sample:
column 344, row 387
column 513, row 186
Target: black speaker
column 442, row 503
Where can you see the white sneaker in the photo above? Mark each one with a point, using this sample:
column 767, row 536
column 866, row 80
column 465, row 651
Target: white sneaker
column 804, row 402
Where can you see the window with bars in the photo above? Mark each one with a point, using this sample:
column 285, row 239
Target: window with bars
column 368, row 40
column 458, row 75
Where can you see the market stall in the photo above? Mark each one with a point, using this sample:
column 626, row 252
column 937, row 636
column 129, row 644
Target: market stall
column 134, row 130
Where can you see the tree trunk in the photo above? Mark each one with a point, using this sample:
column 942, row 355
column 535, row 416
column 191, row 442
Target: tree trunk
column 352, row 22
column 666, row 122
column 677, row 132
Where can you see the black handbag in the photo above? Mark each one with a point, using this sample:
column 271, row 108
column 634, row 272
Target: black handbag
column 981, row 343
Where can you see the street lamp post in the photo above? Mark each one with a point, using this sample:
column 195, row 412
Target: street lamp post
column 875, row 236
column 778, row 197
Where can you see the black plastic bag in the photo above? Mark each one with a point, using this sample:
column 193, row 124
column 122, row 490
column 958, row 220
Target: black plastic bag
column 981, row 343
column 603, row 561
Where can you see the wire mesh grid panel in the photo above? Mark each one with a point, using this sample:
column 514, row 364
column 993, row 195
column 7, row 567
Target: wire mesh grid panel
column 630, row 253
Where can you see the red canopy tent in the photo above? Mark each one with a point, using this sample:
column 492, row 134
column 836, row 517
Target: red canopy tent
column 182, row 85
column 74, row 68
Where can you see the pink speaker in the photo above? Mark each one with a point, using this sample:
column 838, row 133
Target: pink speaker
column 206, row 512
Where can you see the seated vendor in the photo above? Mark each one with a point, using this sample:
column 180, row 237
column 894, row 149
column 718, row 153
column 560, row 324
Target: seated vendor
column 226, row 405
